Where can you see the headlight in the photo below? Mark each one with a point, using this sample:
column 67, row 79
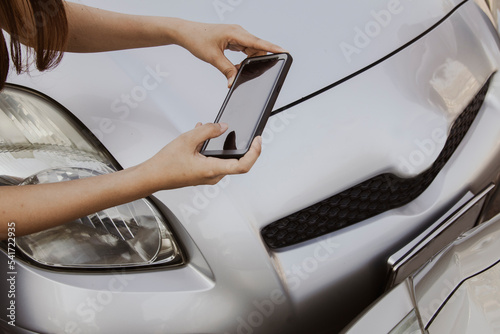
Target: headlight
column 41, row 143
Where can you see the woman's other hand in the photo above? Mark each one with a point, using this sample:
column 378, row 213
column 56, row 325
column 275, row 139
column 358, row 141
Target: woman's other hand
column 180, row 163
column 209, row 41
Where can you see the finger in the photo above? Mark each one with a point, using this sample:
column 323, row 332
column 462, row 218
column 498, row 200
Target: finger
column 198, row 148
column 230, row 73
column 245, row 163
column 250, row 52
column 248, row 40
column 225, row 66
column 223, row 128
column 230, row 80
column 254, row 53
column 206, row 131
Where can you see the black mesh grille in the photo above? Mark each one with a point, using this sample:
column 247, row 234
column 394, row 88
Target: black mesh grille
column 369, row 198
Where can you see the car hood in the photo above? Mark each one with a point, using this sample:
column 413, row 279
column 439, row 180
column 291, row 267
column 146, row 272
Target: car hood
column 327, row 40
column 136, row 101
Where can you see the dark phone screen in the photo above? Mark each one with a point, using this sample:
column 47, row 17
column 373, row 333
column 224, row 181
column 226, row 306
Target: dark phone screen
column 245, row 106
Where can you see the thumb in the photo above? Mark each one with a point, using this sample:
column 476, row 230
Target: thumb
column 230, row 77
column 206, row 131
column 226, row 67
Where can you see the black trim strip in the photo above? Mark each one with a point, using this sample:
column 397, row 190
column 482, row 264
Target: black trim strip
column 364, row 69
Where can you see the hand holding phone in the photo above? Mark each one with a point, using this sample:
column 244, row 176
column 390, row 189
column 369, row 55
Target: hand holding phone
column 248, row 104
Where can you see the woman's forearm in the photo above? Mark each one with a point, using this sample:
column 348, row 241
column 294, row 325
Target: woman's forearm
column 94, row 30
column 37, row 207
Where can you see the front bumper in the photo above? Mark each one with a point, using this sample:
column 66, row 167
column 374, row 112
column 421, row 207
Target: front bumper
column 454, row 291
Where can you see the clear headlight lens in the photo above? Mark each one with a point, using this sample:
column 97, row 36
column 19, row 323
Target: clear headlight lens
column 36, row 135
column 41, row 143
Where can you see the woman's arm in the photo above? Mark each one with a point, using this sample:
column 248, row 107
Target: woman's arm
column 179, row 164
column 95, row 30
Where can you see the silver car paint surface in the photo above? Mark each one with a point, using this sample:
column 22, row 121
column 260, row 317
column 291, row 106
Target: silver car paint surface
column 138, row 100
column 456, row 292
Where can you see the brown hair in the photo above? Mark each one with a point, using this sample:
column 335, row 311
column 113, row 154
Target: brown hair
column 39, row 24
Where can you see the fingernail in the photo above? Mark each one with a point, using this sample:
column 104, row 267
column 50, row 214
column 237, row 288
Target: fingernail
column 223, row 126
column 230, row 82
column 281, row 49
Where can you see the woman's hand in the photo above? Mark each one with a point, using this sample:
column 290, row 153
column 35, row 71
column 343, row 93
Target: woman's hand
column 208, row 42
column 180, row 163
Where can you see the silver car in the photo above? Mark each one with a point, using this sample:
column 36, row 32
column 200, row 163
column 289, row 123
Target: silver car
column 376, row 183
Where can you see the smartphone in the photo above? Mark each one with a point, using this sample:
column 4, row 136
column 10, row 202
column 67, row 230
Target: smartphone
column 248, row 104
